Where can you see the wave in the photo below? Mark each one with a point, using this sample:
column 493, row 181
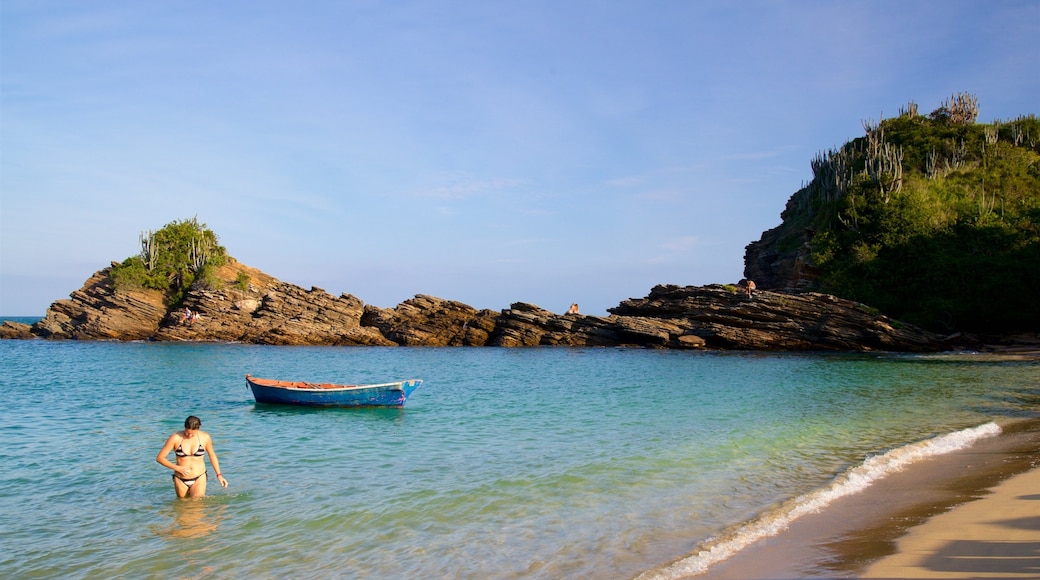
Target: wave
column 855, row 480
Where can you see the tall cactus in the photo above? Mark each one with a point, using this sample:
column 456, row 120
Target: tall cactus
column 199, row 253
column 991, row 135
column 1017, row 134
column 957, row 159
column 909, row 111
column 931, row 164
column 149, row 249
column 962, row 108
column 884, row 162
column 831, row 174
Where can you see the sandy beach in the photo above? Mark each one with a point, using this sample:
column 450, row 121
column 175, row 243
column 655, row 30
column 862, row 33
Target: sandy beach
column 997, row 536
column 969, row 514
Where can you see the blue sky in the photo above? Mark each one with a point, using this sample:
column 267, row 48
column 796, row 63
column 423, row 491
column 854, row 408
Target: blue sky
column 487, row 152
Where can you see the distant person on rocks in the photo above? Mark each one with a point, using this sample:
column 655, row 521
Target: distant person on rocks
column 187, row 315
column 749, row 288
column 573, row 309
column 190, row 446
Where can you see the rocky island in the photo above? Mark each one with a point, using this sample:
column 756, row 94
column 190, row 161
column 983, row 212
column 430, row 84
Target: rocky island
column 266, row 310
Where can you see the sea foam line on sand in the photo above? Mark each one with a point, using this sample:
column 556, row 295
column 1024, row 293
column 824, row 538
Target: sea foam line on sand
column 856, row 479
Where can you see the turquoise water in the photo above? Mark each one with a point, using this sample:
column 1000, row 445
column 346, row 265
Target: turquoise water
column 22, row 319
column 506, row 463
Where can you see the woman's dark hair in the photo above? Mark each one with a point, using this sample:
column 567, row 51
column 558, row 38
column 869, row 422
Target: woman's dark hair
column 192, row 422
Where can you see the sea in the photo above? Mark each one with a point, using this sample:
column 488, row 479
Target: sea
column 506, row 463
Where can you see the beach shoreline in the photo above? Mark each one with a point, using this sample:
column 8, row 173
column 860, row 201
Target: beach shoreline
column 996, row 536
column 863, row 533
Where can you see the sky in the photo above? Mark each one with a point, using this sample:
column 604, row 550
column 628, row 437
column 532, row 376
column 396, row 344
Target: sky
column 549, row 152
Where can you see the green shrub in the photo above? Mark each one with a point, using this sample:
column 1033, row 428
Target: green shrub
column 132, row 275
column 172, row 259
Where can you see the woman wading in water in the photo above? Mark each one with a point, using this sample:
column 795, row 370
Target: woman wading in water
column 190, row 446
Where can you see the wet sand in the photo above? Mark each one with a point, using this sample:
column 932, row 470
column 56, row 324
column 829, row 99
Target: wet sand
column 997, row 536
column 968, row 514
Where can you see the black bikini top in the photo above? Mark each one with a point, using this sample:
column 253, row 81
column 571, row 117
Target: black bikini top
column 179, row 451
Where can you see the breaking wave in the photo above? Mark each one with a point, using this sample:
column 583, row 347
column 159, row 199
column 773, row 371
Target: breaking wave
column 856, row 479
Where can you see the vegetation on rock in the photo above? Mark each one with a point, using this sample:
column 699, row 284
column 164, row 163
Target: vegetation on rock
column 173, row 259
column 933, row 219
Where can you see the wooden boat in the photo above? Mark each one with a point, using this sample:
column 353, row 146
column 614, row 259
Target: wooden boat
column 330, row 395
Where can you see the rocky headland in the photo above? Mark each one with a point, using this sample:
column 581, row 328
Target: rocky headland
column 268, row 311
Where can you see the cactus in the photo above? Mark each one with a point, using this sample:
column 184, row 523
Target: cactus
column 149, row 249
column 199, row 253
column 1016, row 134
column 831, row 175
column 849, row 223
column 962, row 108
column 957, row 158
column 991, row 135
column 884, row 162
column 885, row 168
column 931, row 164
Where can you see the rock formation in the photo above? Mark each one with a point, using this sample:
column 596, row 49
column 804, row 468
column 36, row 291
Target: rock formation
column 251, row 306
column 10, row 329
column 780, row 259
column 775, row 321
column 98, row 311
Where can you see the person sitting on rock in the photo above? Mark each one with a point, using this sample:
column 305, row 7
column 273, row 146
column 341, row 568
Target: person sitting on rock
column 573, row 309
column 187, row 315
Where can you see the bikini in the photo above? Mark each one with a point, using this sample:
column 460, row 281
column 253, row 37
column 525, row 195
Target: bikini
column 199, row 452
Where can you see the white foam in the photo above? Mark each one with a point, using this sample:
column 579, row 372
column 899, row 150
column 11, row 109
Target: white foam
column 852, row 481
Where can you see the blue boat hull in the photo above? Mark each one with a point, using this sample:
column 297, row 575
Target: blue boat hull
column 289, row 393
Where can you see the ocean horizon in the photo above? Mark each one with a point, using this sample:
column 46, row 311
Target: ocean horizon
column 22, row 319
column 506, row 463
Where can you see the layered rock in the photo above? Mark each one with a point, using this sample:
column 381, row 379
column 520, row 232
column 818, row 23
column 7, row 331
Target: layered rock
column 11, row 329
column 98, row 311
column 524, row 324
column 265, row 310
column 250, row 306
column 429, row 321
column 776, row 321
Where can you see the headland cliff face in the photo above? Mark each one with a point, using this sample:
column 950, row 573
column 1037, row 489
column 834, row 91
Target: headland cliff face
column 268, row 311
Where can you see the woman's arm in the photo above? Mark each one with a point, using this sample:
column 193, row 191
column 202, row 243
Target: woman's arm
column 214, row 461
column 164, row 453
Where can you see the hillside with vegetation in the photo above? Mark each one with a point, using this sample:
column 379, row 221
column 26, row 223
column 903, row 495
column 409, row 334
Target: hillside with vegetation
column 933, row 219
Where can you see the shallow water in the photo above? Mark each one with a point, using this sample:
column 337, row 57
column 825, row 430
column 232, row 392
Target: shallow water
column 506, row 463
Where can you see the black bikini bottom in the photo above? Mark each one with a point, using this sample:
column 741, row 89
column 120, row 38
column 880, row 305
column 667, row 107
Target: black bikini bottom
column 189, row 482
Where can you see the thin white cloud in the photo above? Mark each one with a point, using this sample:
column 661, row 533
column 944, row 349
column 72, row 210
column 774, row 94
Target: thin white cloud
column 751, row 156
column 668, row 195
column 462, row 189
column 681, row 244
